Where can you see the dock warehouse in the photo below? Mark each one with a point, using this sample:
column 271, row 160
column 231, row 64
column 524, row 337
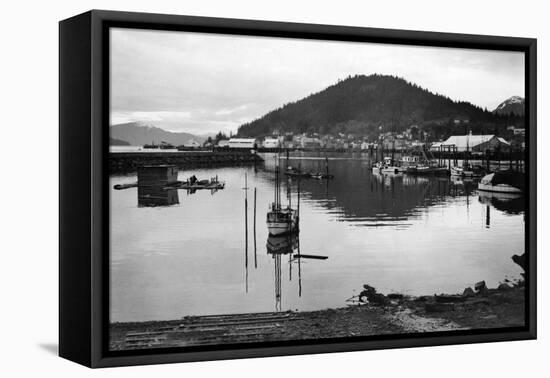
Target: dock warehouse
column 248, row 143
column 474, row 143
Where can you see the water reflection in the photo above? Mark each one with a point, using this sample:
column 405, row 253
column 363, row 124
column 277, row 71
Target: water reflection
column 277, row 247
column 416, row 235
column 156, row 195
column 510, row 203
column 153, row 186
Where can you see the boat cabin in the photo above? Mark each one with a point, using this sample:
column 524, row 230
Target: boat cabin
column 410, row 159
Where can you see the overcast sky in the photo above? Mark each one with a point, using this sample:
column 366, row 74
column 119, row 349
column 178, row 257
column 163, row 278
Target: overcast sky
column 204, row 83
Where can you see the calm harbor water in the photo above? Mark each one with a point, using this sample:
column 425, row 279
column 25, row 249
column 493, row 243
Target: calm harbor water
column 399, row 233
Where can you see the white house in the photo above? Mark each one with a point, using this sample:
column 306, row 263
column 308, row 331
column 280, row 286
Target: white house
column 519, row 132
column 271, row 143
column 249, row 143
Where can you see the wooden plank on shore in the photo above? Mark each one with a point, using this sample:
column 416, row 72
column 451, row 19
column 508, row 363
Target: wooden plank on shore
column 212, row 329
column 235, row 319
column 240, row 315
column 227, row 324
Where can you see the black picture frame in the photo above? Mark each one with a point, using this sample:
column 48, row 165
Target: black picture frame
column 83, row 196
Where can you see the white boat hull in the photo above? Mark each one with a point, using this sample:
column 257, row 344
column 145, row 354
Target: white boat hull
column 500, row 188
column 386, row 170
column 461, row 172
column 280, row 228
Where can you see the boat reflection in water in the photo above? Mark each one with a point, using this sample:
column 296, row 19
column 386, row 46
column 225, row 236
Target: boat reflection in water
column 415, row 235
column 462, row 186
column 277, row 247
column 510, row 203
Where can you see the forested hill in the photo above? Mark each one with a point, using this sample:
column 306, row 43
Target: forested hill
column 365, row 105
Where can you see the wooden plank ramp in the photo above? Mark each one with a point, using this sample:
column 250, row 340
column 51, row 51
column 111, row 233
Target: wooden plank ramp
column 212, row 329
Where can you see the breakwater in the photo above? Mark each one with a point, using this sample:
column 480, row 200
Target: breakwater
column 124, row 162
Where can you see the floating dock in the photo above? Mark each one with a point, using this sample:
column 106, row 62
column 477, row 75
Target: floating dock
column 157, row 178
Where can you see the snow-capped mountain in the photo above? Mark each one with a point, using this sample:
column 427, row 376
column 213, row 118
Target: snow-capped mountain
column 514, row 104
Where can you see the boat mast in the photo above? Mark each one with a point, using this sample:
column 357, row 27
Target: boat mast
column 277, row 185
column 298, row 205
column 467, row 149
column 289, row 193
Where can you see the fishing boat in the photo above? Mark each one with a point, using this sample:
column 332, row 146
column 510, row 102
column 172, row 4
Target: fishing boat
column 166, row 146
column 151, row 146
column 465, row 171
column 419, row 164
column 468, row 170
column 503, row 182
column 420, row 169
column 408, row 162
column 295, row 172
column 281, row 220
column 388, row 165
column 323, row 175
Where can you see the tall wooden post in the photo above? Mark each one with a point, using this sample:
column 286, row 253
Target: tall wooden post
column 255, row 255
column 246, row 229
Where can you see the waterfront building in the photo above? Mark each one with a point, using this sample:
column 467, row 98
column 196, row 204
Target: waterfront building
column 474, row 143
column 223, row 143
column 271, row 143
column 248, row 143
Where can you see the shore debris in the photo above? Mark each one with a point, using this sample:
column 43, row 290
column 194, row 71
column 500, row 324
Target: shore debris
column 520, row 260
column 370, row 295
column 481, row 288
column 504, row 286
column 374, row 314
column 451, row 308
column 395, row 296
column 411, row 322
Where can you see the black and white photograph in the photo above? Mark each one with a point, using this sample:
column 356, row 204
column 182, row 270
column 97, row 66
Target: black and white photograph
column 269, row 189
column 291, row 188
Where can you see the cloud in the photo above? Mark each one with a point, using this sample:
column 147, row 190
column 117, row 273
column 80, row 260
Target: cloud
column 204, row 82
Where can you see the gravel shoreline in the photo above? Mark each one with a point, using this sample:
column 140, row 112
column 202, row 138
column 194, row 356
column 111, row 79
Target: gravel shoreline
column 378, row 315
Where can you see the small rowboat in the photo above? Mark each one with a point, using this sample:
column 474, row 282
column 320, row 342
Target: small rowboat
column 197, row 186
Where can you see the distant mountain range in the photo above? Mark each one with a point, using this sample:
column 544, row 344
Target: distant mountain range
column 513, row 105
column 368, row 104
column 118, row 142
column 138, row 134
column 363, row 105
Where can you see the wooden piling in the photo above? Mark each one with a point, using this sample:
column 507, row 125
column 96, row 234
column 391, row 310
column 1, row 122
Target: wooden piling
column 255, row 255
column 246, row 230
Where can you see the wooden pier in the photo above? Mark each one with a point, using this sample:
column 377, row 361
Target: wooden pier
column 124, row 162
column 209, row 330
